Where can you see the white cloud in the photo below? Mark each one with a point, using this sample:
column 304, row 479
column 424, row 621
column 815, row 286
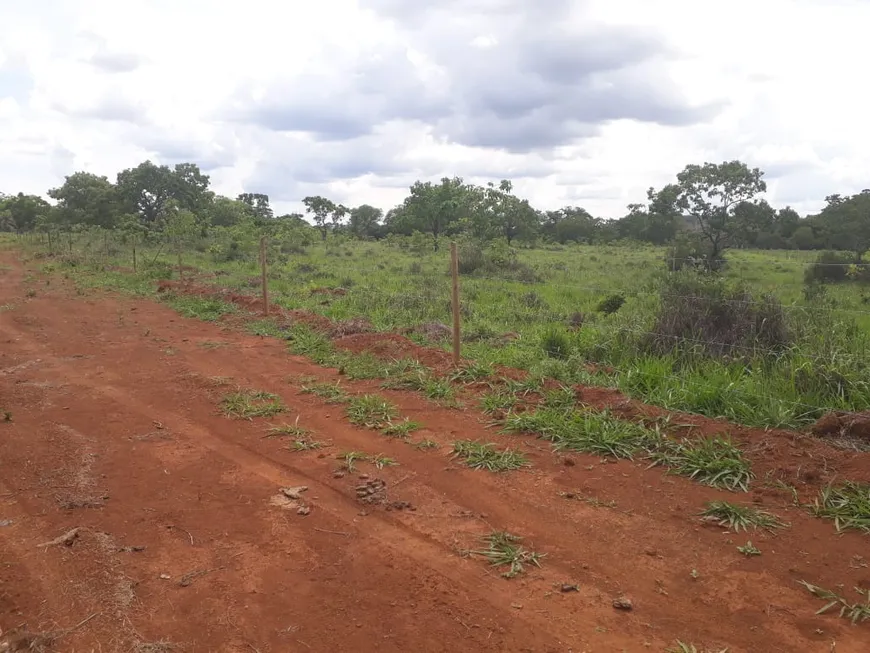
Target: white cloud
column 474, row 88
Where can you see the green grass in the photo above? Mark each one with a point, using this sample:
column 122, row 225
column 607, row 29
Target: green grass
column 350, row 458
column 847, row 504
column 497, row 401
column 854, row 612
column 201, row 308
column 823, row 369
column 380, row 461
column 740, row 518
column 333, row 393
column 288, row 431
column 401, row 429
column 480, row 455
column 371, row 412
column 504, row 550
column 425, row 445
column 248, row 404
column 712, row 461
column 305, row 443
column 749, row 549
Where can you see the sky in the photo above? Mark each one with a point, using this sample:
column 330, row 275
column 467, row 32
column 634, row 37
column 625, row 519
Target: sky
column 579, row 102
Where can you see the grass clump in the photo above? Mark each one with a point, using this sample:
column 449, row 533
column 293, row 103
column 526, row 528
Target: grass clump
column 504, row 550
column 749, row 549
column 288, row 430
column 371, row 412
column 202, row 308
column 847, row 504
column 556, row 344
column 380, row 461
column 425, row 445
column 402, row 429
column 496, row 401
column 480, row 455
column 350, row 458
column 683, row 647
column 306, row 444
column 562, row 397
column 471, row 372
column 711, row 461
column 248, row 404
column 333, row 393
column 737, row 518
column 854, row 612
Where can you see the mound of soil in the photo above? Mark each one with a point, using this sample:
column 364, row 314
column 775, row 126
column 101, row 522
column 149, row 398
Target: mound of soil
column 351, row 327
column 854, row 426
column 391, row 345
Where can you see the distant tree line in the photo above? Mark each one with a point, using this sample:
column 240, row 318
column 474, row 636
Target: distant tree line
column 709, row 209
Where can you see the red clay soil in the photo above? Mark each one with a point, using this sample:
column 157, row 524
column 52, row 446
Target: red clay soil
column 184, row 537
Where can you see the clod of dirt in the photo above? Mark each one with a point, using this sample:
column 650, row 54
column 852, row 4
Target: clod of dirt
column 568, row 587
column 622, row 603
column 303, row 510
column 400, row 505
column 838, row 424
column 373, row 491
column 131, row 549
column 294, row 493
column 67, row 539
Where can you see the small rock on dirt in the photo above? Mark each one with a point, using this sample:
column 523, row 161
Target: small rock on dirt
column 294, row 493
column 622, row 603
column 303, row 510
column 568, row 587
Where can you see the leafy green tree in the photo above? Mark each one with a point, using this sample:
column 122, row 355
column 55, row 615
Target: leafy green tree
column 259, row 205
column 751, row 219
column 191, row 188
column 226, row 212
column 364, row 221
column 338, row 213
column 504, row 214
column 20, row 212
column 147, row 189
column 180, row 227
column 320, row 209
column 432, row 208
column 571, row 223
column 846, row 221
column 706, row 195
column 86, row 198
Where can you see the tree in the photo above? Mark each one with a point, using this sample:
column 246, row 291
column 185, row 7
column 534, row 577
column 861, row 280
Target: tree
column 226, row 212
column 571, row 223
column 364, row 221
column 21, row 212
column 505, row 214
column 320, row 208
column 259, row 204
column 337, row 214
column 751, row 219
column 707, row 195
column 180, row 227
column 85, row 198
column 146, row 189
column 846, row 222
column 431, row 208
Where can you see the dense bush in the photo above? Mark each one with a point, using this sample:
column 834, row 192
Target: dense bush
column 709, row 316
column 835, row 267
column 611, row 304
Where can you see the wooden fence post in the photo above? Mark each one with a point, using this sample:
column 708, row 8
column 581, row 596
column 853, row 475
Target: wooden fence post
column 454, row 272
column 263, row 269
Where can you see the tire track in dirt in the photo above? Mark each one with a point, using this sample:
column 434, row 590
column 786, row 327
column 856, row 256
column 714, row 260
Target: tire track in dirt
column 399, row 537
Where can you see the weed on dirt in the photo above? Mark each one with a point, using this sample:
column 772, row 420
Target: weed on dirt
column 306, row 444
column 350, row 458
column 480, row 455
column 333, row 393
column 371, row 411
column 202, row 308
column 682, row 647
column 288, row 430
column 425, row 445
column 711, row 461
column 739, row 518
column 854, row 612
column 401, row 429
column 497, row 400
column 504, row 550
column 247, row 404
column 749, row 549
column 380, row 461
column 847, row 504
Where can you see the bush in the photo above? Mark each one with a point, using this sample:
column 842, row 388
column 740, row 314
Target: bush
column 611, row 304
column 471, row 257
column 556, row 343
column 706, row 315
column 829, row 267
column 691, row 252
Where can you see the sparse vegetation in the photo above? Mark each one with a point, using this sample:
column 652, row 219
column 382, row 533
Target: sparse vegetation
column 480, row 455
column 288, row 430
column 847, row 504
column 854, row 612
column 371, row 412
column 504, row 550
column 682, row 647
column 350, row 458
column 248, row 404
column 333, row 393
column 380, row 461
column 749, row 549
column 740, row 518
column 401, row 429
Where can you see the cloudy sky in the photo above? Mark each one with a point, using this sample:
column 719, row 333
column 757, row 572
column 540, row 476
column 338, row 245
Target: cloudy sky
column 584, row 102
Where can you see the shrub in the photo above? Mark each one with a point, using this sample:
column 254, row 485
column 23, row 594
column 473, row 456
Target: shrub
column 707, row 315
column 691, row 252
column 829, row 267
column 556, row 343
column 471, row 257
column 533, row 300
column 611, row 304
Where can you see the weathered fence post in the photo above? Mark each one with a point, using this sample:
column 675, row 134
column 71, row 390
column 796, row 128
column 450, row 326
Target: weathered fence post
column 454, row 272
column 263, row 271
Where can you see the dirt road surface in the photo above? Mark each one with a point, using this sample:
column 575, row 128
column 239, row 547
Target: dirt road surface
column 185, row 542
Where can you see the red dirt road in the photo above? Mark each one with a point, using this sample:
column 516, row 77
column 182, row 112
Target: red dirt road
column 116, row 430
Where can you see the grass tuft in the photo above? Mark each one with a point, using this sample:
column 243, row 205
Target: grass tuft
column 333, row 393
column 847, row 504
column 248, row 404
column 380, row 461
column 737, row 518
column 854, row 612
column 749, row 549
column 504, row 550
column 350, row 459
column 371, row 412
column 479, row 455
column 401, row 429
column 288, row 430
column 497, row 400
column 711, row 461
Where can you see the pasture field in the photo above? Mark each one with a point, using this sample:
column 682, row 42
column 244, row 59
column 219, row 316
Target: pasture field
column 181, row 473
